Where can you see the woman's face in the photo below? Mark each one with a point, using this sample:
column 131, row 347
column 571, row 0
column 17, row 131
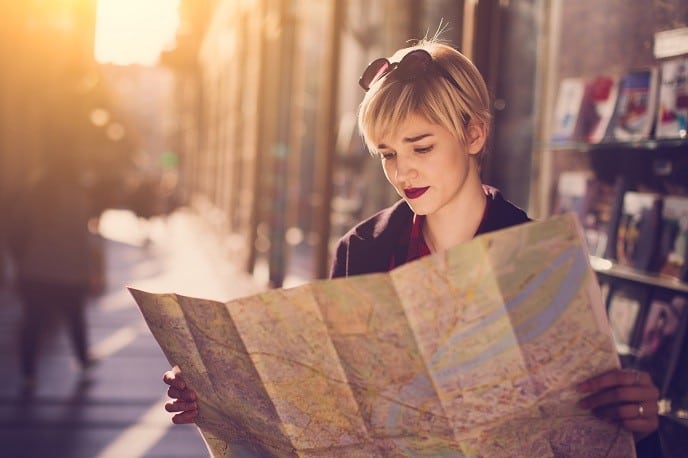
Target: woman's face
column 427, row 165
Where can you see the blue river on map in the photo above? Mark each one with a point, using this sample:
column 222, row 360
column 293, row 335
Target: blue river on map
column 529, row 329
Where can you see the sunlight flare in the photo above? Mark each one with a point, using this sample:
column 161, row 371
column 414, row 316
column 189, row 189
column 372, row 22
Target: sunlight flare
column 134, row 31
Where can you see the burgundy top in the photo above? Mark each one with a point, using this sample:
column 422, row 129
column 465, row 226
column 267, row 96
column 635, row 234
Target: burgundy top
column 413, row 237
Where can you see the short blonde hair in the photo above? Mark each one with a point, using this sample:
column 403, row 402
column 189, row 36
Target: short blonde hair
column 389, row 102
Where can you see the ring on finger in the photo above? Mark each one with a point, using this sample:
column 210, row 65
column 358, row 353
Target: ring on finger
column 641, row 410
column 636, row 379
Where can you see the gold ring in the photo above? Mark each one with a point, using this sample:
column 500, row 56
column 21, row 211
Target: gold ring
column 641, row 410
column 636, row 380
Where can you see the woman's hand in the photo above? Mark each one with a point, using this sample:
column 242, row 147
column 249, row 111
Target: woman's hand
column 626, row 397
column 184, row 397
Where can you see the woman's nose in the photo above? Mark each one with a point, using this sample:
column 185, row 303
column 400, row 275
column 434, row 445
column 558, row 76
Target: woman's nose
column 406, row 170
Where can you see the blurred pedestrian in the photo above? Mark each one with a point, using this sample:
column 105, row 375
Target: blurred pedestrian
column 52, row 251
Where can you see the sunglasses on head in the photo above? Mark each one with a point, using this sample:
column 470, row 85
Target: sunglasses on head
column 413, row 64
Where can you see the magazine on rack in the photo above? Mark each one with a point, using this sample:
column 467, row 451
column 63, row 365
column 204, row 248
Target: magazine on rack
column 624, row 307
column 636, row 106
column 662, row 336
column 574, row 193
column 603, row 91
column 673, row 243
column 638, row 231
column 591, row 199
column 475, row 351
column 568, row 110
column 672, row 114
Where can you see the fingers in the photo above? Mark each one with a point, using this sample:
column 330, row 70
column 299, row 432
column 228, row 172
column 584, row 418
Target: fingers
column 630, row 412
column 618, row 386
column 614, row 378
column 181, row 406
column 174, row 378
column 185, row 417
column 619, row 395
column 188, row 411
column 626, row 397
column 184, row 395
column 639, row 418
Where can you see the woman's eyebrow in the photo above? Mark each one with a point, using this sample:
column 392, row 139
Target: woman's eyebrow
column 416, row 138
column 407, row 140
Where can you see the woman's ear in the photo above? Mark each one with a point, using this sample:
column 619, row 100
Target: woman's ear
column 476, row 136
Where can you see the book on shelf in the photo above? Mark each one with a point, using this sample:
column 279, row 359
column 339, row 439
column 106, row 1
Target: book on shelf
column 602, row 93
column 624, row 305
column 673, row 241
column 615, row 209
column 638, row 229
column 635, row 108
column 662, row 336
column 567, row 111
column 591, row 199
column 573, row 192
column 676, row 387
column 672, row 113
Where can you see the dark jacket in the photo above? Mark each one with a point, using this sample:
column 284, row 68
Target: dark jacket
column 369, row 246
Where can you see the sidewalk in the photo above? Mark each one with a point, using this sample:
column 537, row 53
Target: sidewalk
column 115, row 410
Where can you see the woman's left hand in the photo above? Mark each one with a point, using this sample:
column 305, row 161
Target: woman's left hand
column 626, row 397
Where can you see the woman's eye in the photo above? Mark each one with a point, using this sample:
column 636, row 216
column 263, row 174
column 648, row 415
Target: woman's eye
column 387, row 154
column 422, row 150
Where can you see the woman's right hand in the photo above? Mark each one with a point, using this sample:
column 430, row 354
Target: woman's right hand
column 184, row 398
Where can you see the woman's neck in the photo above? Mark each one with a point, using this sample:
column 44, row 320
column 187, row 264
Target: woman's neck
column 458, row 223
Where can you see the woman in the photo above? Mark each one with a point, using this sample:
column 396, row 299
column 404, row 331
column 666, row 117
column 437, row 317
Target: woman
column 426, row 114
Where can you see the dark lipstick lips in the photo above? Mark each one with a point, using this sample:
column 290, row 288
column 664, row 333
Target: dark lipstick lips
column 414, row 193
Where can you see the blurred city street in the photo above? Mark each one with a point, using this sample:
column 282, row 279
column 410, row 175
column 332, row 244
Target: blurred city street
column 115, row 408
column 217, row 144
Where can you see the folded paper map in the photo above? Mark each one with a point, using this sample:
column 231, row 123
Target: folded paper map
column 474, row 352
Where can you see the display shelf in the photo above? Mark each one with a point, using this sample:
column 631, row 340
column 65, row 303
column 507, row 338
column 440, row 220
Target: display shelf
column 613, row 168
column 649, row 162
column 611, row 269
column 644, row 145
column 680, row 416
column 676, row 413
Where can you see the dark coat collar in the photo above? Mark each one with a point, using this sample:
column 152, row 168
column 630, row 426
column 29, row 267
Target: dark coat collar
column 369, row 246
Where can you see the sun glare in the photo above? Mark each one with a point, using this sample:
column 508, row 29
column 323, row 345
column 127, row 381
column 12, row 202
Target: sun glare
column 134, row 31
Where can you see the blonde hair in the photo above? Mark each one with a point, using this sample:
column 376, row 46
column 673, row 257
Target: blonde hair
column 389, row 102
